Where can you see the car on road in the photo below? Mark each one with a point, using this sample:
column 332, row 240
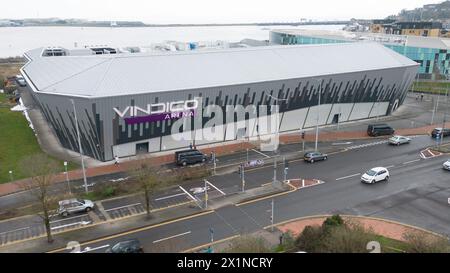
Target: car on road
column 440, row 132
column 379, row 130
column 398, row 140
column 21, row 80
column 446, row 165
column 374, row 175
column 312, row 157
column 191, row 156
column 128, row 246
column 74, row 205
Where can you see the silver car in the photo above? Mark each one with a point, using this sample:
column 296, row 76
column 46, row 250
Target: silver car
column 70, row 206
column 446, row 165
column 398, row 140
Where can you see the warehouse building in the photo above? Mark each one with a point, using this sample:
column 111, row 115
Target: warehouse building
column 127, row 103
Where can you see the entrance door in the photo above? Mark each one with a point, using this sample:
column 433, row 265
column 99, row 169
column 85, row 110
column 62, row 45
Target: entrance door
column 335, row 118
column 142, row 148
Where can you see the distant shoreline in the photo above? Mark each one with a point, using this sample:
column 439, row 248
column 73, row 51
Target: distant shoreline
column 183, row 25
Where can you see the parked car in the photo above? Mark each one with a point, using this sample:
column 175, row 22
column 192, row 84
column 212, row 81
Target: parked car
column 440, row 132
column 398, row 140
column 312, row 157
column 191, row 156
column 129, row 246
column 446, row 165
column 21, row 80
column 70, row 206
column 375, row 175
column 379, row 130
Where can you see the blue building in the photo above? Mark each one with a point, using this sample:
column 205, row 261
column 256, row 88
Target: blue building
column 432, row 53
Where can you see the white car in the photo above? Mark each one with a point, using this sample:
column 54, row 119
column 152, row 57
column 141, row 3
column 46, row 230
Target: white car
column 375, row 175
column 446, row 165
column 397, row 140
column 70, row 206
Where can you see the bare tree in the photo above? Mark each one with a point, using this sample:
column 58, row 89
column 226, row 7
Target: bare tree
column 150, row 178
column 41, row 170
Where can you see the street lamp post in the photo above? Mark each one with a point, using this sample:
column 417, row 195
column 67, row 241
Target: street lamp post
column 318, row 114
column 67, row 176
column 81, row 149
column 445, row 114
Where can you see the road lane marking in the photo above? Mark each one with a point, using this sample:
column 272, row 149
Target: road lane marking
column 170, row 196
column 138, row 230
column 171, row 237
column 215, row 188
column 123, row 207
column 412, row 161
column 14, row 230
column 348, row 176
column 392, row 166
column 72, row 224
column 88, row 249
column 65, row 219
column 256, row 151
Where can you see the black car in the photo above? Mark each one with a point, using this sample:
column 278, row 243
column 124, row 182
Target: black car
column 379, row 130
column 312, row 157
column 440, row 132
column 129, row 246
column 191, row 156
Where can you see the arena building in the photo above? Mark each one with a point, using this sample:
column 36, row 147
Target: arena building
column 127, row 103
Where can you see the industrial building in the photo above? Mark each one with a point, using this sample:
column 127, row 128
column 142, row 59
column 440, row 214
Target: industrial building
column 127, row 103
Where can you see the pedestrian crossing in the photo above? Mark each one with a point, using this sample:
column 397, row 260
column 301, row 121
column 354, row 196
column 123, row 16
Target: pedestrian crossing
column 367, row 145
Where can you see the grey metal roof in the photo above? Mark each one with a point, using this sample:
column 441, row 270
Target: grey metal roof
column 137, row 73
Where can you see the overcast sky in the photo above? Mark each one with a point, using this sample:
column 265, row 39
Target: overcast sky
column 207, row 11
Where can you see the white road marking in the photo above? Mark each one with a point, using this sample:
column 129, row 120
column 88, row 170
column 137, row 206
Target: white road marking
column 188, row 194
column 72, row 224
column 215, row 188
column 256, row 151
column 14, row 230
column 348, row 176
column 171, row 237
column 170, row 196
column 392, row 166
column 88, row 249
column 412, row 161
column 123, row 207
column 64, row 219
column 342, row 143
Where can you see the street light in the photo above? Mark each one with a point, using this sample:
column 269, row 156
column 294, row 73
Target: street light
column 11, row 175
column 79, row 145
column 67, row 176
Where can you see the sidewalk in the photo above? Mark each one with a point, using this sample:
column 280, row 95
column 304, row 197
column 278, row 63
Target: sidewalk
column 324, row 136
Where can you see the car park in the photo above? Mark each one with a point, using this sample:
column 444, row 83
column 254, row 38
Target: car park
column 379, row 130
column 128, row 246
column 440, row 132
column 398, row 140
column 312, row 157
column 374, row 175
column 446, row 165
column 191, row 156
column 70, row 206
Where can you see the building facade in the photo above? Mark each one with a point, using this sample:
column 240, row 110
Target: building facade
column 131, row 103
column 433, row 54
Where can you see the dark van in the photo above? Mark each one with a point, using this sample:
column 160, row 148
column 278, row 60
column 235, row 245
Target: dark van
column 379, row 130
column 191, row 156
column 440, row 132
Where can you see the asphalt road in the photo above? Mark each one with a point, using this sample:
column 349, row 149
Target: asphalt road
column 342, row 191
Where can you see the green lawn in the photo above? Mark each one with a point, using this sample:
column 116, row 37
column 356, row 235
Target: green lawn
column 431, row 87
column 17, row 141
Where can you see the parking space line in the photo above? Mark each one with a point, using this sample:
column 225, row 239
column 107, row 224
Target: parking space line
column 215, row 188
column 188, row 194
column 170, row 196
column 171, row 237
column 65, row 219
column 14, row 230
column 123, row 207
column 348, row 176
column 412, row 161
column 256, row 151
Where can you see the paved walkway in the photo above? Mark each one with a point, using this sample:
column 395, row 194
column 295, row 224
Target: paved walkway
column 386, row 228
